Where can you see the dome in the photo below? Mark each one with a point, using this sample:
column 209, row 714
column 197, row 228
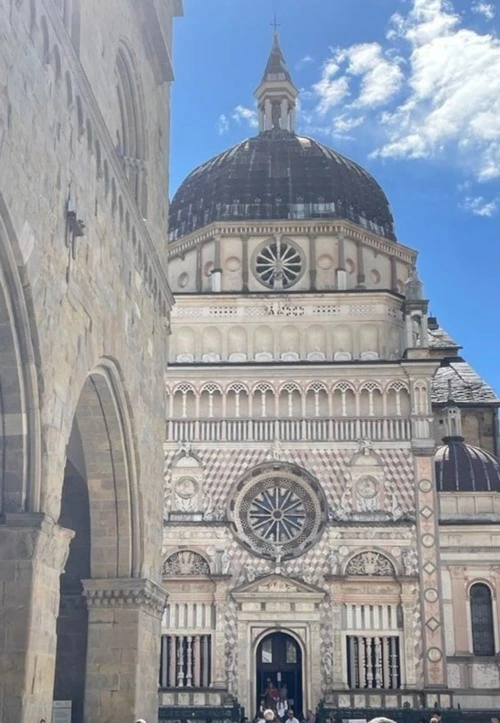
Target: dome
column 279, row 175
column 463, row 468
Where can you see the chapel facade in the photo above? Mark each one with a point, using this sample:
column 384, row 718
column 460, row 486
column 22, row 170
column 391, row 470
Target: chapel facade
column 84, row 328
column 331, row 492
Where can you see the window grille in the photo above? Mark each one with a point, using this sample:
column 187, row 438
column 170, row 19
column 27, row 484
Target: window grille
column 186, row 661
column 481, row 612
column 373, row 661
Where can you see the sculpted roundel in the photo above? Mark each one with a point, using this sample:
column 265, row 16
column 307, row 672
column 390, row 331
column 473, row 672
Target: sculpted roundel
column 278, row 509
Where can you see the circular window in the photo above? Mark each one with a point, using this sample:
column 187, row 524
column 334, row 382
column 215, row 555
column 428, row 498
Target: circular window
column 279, row 264
column 278, row 508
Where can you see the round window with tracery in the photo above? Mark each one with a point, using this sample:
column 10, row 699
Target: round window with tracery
column 279, row 264
column 278, row 509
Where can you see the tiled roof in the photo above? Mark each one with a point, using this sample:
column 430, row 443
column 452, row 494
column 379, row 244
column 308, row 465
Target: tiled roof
column 440, row 339
column 457, row 381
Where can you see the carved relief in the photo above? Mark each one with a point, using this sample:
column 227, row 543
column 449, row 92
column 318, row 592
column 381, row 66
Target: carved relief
column 370, row 563
column 186, row 562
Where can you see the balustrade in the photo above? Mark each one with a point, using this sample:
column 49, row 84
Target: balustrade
column 185, row 661
column 373, row 661
column 347, row 429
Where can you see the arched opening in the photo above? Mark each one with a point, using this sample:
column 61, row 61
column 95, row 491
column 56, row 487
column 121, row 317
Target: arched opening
column 279, row 674
column 481, row 613
column 131, row 130
column 100, row 504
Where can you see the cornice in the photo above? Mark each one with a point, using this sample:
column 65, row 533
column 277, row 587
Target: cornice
column 302, row 227
column 125, row 593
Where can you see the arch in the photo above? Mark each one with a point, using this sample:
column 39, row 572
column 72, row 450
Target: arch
column 481, row 617
column 316, row 339
column 290, row 400
column 317, row 400
column 104, row 424
column 237, row 340
column 20, row 440
column 237, row 400
column 263, row 396
column 131, row 134
column 370, row 563
column 211, row 344
column 186, row 562
column 183, row 401
column 100, row 503
column 398, row 399
column 343, row 399
column 299, row 694
column 371, row 399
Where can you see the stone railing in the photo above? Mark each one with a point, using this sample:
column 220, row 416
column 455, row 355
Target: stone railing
column 289, row 430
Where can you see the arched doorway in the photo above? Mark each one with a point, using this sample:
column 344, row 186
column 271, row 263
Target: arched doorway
column 279, row 672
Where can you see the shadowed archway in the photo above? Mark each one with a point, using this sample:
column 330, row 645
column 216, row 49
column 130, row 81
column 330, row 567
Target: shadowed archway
column 100, row 503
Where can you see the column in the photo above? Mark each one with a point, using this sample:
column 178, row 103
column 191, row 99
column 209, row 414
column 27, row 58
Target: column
column 218, row 648
column 244, row 263
column 312, row 262
column 34, row 552
column 361, row 265
column 123, row 648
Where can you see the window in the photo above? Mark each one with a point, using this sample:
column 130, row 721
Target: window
column 373, row 661
column 481, row 613
column 267, row 651
column 185, row 661
column 291, row 652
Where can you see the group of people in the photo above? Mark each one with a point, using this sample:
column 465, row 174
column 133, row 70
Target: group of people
column 275, row 707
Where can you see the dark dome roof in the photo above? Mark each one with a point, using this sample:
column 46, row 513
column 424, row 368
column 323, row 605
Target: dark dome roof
column 463, row 468
column 279, row 175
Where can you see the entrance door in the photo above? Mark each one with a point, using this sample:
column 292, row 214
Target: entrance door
column 279, row 671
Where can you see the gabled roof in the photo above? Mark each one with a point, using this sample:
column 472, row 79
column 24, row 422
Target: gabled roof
column 440, row 339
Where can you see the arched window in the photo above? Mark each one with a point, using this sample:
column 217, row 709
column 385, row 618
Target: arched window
column 481, row 613
column 130, row 134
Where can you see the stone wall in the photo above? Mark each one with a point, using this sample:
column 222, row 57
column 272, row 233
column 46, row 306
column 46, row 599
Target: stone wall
column 84, row 306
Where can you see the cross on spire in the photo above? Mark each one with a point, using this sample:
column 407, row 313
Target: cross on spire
column 275, row 23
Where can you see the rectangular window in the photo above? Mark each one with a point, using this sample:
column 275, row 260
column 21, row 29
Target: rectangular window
column 373, row 661
column 185, row 661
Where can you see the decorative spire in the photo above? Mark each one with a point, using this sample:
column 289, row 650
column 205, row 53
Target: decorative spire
column 276, row 94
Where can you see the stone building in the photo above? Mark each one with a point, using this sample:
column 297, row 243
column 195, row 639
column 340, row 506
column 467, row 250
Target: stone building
column 313, row 536
column 84, row 324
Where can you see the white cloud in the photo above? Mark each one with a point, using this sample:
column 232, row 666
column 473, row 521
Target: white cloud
column 329, row 90
column 485, row 9
column 480, row 207
column 247, row 115
column 306, row 60
column 453, row 100
column 222, row 124
column 381, row 78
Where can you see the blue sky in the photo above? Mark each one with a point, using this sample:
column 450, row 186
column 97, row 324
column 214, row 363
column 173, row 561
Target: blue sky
column 408, row 88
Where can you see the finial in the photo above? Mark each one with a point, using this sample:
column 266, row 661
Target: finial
column 275, row 22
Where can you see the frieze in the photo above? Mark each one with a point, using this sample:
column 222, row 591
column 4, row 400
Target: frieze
column 125, row 593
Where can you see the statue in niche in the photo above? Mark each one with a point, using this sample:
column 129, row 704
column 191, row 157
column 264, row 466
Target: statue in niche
column 225, row 562
column 333, row 562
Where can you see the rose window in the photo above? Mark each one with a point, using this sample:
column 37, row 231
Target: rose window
column 279, row 264
column 278, row 509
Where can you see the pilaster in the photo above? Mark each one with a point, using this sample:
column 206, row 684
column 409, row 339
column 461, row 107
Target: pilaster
column 433, row 643
column 221, row 601
column 123, row 648
column 34, row 552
